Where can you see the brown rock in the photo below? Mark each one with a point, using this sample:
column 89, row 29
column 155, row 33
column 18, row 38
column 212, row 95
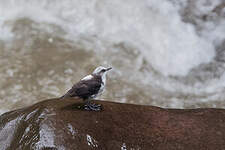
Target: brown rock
column 60, row 124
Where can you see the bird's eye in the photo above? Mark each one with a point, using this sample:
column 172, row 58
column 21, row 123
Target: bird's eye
column 103, row 70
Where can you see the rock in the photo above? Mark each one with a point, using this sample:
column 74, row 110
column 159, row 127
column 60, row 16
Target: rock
column 60, row 124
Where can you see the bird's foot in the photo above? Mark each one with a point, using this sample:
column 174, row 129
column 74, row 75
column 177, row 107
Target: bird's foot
column 93, row 107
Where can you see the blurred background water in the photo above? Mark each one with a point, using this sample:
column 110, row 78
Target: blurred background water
column 167, row 53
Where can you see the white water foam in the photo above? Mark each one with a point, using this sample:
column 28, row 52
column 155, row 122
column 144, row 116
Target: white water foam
column 153, row 29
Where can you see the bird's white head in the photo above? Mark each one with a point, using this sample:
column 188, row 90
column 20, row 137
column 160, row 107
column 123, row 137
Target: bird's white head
column 101, row 71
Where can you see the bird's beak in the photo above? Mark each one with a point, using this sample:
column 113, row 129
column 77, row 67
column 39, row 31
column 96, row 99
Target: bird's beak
column 108, row 68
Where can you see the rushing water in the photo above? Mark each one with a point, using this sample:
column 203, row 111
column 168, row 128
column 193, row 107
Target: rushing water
column 168, row 53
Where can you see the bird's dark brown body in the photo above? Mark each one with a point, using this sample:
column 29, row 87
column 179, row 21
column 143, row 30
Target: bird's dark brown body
column 85, row 89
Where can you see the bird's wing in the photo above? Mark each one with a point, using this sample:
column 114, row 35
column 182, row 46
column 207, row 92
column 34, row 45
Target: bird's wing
column 84, row 89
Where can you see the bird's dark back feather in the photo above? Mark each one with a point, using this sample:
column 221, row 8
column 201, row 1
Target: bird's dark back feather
column 85, row 88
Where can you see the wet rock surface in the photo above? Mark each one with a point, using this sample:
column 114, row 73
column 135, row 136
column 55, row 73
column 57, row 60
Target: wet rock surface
column 61, row 124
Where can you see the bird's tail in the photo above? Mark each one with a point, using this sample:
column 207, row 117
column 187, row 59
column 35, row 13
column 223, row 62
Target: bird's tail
column 65, row 96
column 62, row 97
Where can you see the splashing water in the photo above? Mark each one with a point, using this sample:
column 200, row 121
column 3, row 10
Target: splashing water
column 167, row 53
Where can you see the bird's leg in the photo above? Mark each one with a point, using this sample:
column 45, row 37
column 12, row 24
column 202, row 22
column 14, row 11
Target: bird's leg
column 92, row 106
column 95, row 105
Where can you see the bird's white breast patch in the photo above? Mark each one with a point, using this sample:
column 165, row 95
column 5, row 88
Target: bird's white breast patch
column 88, row 77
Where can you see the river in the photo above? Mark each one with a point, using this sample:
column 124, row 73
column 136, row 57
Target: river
column 167, row 53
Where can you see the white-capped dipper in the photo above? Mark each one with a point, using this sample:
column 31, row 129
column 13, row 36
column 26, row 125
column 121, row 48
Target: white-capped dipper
column 90, row 87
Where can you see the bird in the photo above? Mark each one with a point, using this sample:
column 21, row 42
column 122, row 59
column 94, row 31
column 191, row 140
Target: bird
column 89, row 88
